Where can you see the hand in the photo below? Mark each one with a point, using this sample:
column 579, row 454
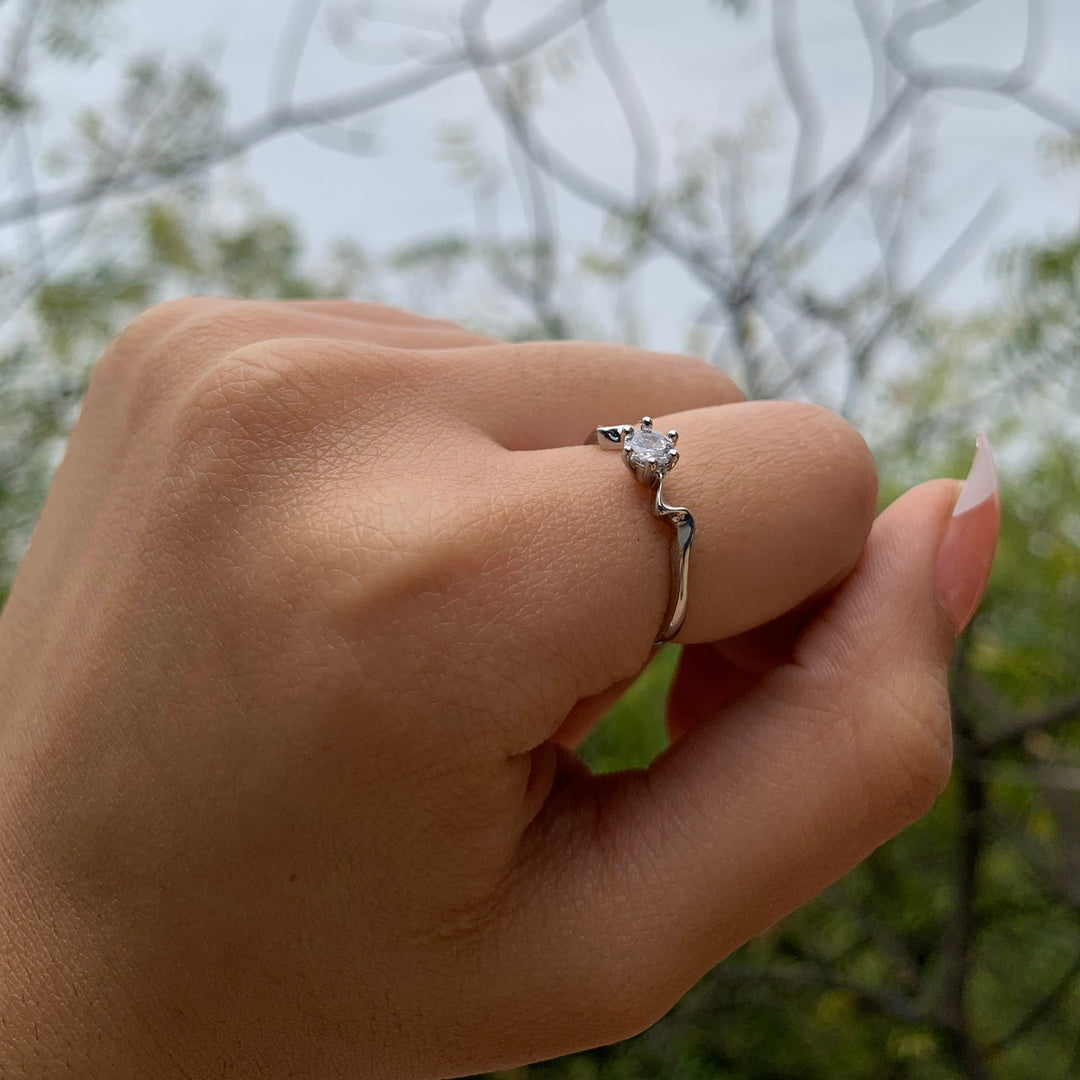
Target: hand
column 321, row 598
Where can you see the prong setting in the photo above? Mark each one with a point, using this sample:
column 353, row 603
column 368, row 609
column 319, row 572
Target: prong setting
column 650, row 455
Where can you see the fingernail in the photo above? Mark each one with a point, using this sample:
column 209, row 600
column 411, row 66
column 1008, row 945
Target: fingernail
column 967, row 548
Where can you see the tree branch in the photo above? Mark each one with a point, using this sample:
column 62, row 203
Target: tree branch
column 1042, row 1008
column 290, row 117
column 959, row 939
column 1016, row 732
column 800, row 95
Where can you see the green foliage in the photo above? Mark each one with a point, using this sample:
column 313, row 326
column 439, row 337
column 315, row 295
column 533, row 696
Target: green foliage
column 71, row 30
column 166, row 238
column 439, row 256
column 632, row 733
column 84, row 304
column 14, row 102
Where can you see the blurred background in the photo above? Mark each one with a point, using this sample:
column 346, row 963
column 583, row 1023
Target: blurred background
column 871, row 204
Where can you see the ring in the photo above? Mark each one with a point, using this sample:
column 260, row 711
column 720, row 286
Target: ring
column 650, row 455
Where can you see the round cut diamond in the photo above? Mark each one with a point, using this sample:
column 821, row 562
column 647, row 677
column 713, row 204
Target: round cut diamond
column 649, row 447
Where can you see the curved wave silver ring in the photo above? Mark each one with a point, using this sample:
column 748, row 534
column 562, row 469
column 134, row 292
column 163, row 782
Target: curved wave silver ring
column 650, row 455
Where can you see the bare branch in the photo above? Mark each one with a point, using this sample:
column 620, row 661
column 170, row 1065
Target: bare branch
column 894, row 238
column 844, row 178
column 1015, row 84
column 800, row 95
column 532, row 183
column 575, row 180
column 900, row 310
column 13, row 69
column 959, row 939
column 292, row 44
column 634, row 109
column 38, row 255
column 874, row 28
column 898, row 50
column 420, row 77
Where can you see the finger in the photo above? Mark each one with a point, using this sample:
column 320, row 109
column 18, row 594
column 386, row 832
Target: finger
column 162, row 319
column 582, row 718
column 659, row 875
column 555, row 393
column 706, row 681
column 711, row 675
column 212, row 328
column 783, row 494
column 385, row 315
column 168, row 347
column 198, row 331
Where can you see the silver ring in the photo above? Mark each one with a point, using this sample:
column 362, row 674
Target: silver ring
column 650, row 455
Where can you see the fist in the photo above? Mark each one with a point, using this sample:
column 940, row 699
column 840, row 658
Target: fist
column 322, row 599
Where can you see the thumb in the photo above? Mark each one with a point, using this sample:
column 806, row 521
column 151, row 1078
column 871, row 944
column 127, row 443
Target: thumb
column 763, row 805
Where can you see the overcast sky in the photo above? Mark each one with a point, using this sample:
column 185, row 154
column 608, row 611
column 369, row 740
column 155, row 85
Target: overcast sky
column 698, row 69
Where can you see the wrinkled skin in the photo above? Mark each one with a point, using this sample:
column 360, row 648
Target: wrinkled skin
column 324, row 595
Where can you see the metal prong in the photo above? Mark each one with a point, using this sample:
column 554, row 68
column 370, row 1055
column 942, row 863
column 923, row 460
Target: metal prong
column 651, row 475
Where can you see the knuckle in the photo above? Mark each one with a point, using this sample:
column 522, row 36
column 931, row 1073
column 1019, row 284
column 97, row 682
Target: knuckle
column 230, row 432
column 275, row 425
column 143, row 337
column 209, row 336
column 286, row 386
column 160, row 319
column 254, row 398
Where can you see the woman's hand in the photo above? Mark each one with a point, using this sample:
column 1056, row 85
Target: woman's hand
column 319, row 590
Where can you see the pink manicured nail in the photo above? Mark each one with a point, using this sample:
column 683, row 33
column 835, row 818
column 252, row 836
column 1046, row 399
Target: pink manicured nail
column 967, row 548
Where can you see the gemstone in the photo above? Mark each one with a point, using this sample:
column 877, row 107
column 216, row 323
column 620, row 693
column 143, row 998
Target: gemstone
column 649, row 447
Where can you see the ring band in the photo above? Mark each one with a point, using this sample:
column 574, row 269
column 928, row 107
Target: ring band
column 651, row 455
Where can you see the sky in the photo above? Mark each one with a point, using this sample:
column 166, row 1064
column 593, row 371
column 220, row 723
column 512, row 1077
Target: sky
column 698, row 69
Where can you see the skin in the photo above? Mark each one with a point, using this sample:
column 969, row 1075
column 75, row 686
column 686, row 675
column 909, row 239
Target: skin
column 322, row 598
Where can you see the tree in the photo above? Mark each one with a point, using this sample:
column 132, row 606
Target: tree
column 955, row 950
